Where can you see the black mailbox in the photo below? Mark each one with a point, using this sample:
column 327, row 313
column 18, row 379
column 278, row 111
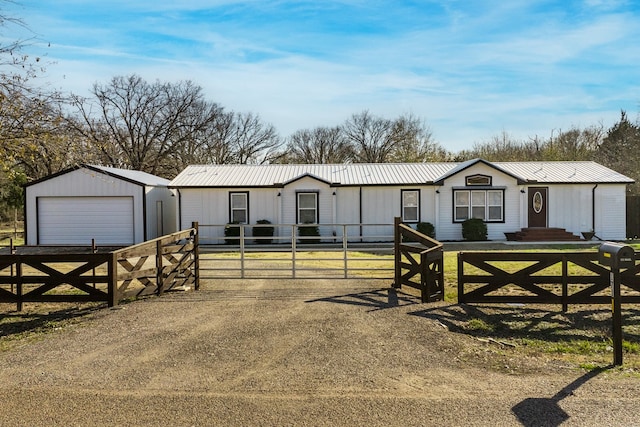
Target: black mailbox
column 616, row 255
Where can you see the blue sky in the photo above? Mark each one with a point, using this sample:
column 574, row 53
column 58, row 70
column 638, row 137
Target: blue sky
column 470, row 69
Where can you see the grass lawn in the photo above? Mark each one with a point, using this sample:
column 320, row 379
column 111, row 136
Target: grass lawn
column 7, row 232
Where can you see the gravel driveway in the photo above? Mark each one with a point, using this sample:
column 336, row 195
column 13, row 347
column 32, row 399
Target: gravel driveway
column 293, row 353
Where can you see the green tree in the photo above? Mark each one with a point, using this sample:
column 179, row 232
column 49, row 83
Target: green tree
column 620, row 149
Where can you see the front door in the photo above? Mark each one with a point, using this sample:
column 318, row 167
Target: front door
column 538, row 197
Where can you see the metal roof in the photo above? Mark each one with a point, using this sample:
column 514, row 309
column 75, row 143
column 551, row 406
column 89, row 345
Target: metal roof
column 356, row 174
column 139, row 177
column 564, row 172
column 136, row 177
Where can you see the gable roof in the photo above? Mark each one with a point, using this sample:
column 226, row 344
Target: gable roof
column 135, row 177
column 356, row 174
column 465, row 165
column 139, row 177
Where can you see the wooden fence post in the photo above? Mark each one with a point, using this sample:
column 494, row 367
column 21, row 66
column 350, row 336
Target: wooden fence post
column 19, row 284
column 461, row 297
column 196, row 255
column 112, row 287
column 397, row 281
column 159, row 272
column 425, row 282
column 565, row 284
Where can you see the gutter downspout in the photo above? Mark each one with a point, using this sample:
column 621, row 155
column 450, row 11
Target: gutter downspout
column 360, row 213
column 593, row 211
column 179, row 209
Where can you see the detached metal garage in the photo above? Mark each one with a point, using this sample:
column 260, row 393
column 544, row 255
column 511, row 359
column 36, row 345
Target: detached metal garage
column 109, row 205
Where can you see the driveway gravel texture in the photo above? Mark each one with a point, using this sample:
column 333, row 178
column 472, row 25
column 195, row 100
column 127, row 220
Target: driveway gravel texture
column 294, row 353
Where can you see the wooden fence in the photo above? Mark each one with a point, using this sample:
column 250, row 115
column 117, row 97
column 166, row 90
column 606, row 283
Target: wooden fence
column 73, row 274
column 419, row 262
column 540, row 278
column 633, row 217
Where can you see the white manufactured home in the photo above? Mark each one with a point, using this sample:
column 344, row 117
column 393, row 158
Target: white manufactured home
column 107, row 205
column 574, row 196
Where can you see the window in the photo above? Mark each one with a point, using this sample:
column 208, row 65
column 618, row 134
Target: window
column 410, row 205
column 239, row 207
column 475, row 180
column 488, row 205
column 494, row 205
column 307, row 208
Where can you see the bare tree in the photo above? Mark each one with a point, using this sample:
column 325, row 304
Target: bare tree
column 414, row 142
column 217, row 148
column 145, row 126
column 373, row 138
column 253, row 141
column 321, row 145
column 574, row 144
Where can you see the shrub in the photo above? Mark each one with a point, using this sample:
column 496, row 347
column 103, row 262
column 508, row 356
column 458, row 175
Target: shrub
column 308, row 232
column 231, row 233
column 427, row 229
column 474, row 229
column 263, row 234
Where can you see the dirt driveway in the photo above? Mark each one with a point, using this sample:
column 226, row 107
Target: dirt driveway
column 316, row 353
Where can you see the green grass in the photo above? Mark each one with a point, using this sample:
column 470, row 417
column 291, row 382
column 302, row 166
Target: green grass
column 7, row 232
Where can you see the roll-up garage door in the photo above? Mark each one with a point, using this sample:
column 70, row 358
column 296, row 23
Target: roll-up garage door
column 77, row 220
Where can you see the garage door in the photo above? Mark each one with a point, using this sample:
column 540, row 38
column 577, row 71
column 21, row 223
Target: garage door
column 77, row 220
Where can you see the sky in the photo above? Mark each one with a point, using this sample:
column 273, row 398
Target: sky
column 472, row 70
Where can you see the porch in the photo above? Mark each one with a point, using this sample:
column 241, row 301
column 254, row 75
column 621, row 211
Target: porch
column 543, row 234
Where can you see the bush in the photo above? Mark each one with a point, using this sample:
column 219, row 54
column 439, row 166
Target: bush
column 263, row 234
column 474, row 229
column 232, row 230
column 427, row 229
column 308, row 232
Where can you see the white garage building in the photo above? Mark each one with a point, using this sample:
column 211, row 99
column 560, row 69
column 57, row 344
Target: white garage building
column 113, row 206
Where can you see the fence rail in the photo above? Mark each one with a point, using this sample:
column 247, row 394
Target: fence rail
column 540, row 278
column 91, row 274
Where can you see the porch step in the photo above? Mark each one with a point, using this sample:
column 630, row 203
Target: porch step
column 545, row 235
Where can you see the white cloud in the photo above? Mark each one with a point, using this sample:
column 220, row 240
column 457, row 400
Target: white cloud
column 471, row 71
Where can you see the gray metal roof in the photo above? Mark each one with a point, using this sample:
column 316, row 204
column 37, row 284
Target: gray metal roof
column 387, row 173
column 564, row 172
column 143, row 178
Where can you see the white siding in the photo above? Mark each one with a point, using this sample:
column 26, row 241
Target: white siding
column 380, row 205
column 210, row 208
column 571, row 208
column 447, row 229
column 610, row 212
column 325, row 204
column 83, row 183
column 168, row 214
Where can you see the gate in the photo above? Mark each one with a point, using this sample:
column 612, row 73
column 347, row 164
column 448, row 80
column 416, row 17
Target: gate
column 341, row 251
column 419, row 262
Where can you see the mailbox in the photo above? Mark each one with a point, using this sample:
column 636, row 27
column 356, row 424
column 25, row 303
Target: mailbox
column 616, row 255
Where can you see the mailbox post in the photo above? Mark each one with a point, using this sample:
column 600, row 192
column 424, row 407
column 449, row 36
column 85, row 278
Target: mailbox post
column 616, row 256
